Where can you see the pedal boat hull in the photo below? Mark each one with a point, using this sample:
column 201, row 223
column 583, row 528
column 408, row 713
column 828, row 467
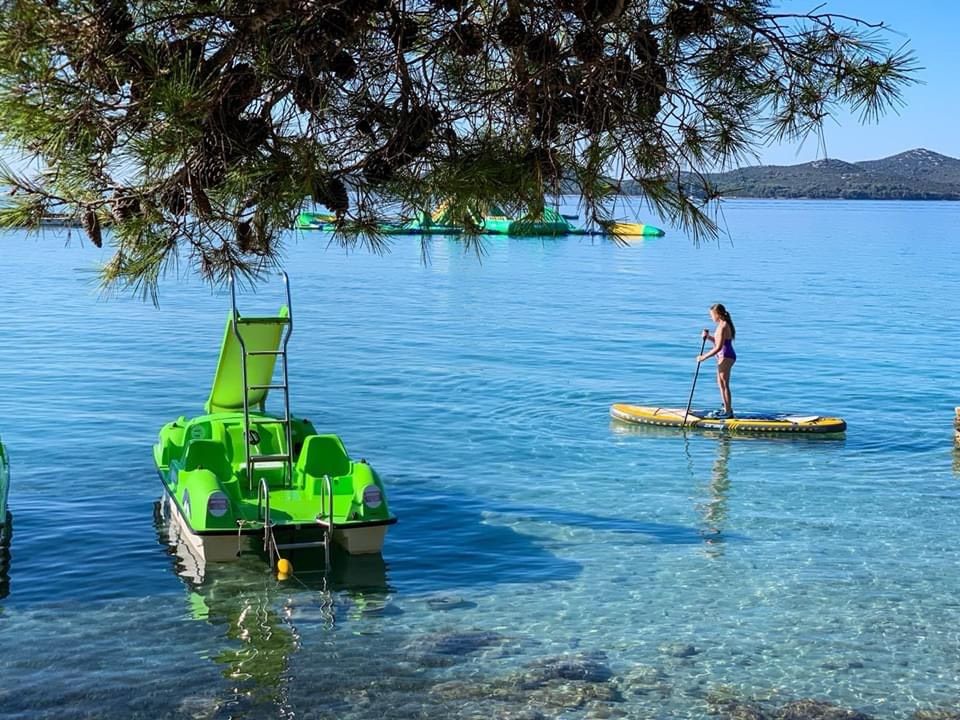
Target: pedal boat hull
column 221, row 516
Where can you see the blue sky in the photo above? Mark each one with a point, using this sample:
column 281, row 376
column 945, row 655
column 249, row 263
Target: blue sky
column 932, row 112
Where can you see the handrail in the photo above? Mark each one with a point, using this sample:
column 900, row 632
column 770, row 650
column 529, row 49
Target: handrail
column 263, row 493
column 328, row 491
column 288, row 425
column 234, row 315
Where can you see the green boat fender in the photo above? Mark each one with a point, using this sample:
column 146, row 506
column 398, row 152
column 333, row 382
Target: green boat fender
column 203, row 501
column 369, row 500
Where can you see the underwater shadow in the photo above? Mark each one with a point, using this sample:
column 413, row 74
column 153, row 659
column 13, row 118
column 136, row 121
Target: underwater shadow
column 444, row 541
column 658, row 533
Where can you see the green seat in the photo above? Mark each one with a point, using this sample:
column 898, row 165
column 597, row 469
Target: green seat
column 207, row 455
column 323, row 455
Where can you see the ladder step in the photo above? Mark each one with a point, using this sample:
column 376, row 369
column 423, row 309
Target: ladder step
column 263, row 321
column 260, row 459
column 265, row 352
column 266, row 387
column 296, row 545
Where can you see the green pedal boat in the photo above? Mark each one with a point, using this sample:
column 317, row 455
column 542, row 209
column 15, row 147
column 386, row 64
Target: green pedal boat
column 239, row 479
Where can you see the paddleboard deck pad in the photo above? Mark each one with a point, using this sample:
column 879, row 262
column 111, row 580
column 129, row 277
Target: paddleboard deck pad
column 745, row 422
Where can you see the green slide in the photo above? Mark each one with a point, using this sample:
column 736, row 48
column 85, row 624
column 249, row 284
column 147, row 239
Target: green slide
column 260, row 335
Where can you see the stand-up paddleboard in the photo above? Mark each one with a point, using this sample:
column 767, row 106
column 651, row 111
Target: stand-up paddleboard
column 743, row 422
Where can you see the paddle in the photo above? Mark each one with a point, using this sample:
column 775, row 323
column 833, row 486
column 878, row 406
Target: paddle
column 692, row 387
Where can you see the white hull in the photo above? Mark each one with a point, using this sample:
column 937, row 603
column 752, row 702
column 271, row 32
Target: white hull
column 210, row 548
column 361, row 540
column 227, row 548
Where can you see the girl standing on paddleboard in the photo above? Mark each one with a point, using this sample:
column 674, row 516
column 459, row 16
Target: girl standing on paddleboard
column 722, row 340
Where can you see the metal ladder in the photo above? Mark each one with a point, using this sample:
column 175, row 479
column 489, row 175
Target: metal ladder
column 250, row 436
column 270, row 545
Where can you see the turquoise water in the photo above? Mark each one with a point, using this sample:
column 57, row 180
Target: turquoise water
column 547, row 563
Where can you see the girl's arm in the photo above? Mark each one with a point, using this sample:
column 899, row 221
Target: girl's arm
column 717, row 341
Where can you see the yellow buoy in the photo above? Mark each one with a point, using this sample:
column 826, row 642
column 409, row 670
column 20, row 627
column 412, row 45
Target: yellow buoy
column 284, row 567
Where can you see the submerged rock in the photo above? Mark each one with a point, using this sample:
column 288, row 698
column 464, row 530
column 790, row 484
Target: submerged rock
column 936, row 715
column 476, row 690
column 452, row 644
column 723, row 702
column 569, row 695
column 518, row 714
column 644, row 680
column 817, row 710
column 450, row 602
column 678, row 650
column 583, row 667
column 745, row 711
column 605, row 711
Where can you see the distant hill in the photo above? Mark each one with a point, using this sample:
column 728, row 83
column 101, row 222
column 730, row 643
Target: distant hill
column 913, row 175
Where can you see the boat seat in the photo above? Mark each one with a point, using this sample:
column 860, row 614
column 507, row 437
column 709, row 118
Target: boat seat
column 208, row 455
column 271, row 442
column 323, row 455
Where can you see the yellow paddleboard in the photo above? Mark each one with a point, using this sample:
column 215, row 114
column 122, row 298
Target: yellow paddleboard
column 746, row 422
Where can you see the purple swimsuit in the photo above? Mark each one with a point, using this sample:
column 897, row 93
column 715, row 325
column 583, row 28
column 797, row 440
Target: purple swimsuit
column 726, row 352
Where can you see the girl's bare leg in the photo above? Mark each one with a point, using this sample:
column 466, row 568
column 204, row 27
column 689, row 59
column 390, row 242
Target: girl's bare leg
column 723, row 380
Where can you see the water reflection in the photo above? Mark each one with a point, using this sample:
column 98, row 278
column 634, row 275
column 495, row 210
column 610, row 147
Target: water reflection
column 713, row 507
column 956, row 442
column 259, row 614
column 6, row 536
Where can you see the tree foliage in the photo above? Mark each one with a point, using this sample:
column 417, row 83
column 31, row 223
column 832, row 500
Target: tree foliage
column 197, row 129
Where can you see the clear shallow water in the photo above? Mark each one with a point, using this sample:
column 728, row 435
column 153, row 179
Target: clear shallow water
column 547, row 563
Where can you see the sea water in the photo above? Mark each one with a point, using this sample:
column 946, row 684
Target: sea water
column 548, row 562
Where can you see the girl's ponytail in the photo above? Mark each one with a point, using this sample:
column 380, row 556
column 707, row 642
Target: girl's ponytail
column 725, row 316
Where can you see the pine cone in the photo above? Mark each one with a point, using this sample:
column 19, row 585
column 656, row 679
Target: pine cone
column 332, row 193
column 467, row 39
column 542, row 48
column 364, row 127
column 512, row 32
column 336, row 23
column 91, row 226
column 174, row 199
column 244, row 237
column 692, row 19
column 587, row 45
column 247, row 134
column 308, row 92
column 343, row 66
column 239, row 86
column 600, row 10
column 377, row 169
column 125, row 205
column 645, row 43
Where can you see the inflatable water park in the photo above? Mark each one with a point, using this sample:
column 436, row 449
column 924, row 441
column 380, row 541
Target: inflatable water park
column 238, row 479
column 551, row 223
